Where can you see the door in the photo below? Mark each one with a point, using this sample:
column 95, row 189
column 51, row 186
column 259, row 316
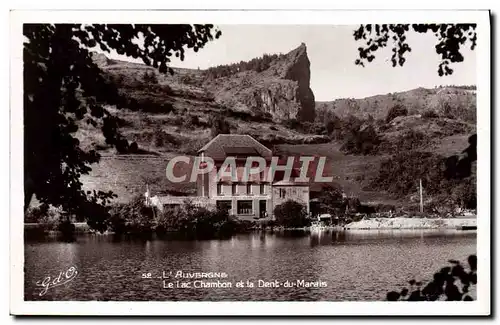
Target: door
column 262, row 209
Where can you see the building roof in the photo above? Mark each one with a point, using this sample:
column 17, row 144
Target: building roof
column 290, row 182
column 234, row 145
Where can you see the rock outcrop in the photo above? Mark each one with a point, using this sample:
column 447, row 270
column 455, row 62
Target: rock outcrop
column 282, row 90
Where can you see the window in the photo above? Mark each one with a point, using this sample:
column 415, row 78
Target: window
column 249, row 189
column 224, row 205
column 233, row 189
column 244, row 207
column 219, row 189
column 282, row 193
column 262, row 189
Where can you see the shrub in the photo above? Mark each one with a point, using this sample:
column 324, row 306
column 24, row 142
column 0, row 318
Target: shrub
column 364, row 141
column 35, row 214
column 219, row 125
column 430, row 114
column 200, row 222
column 451, row 283
column 149, row 77
column 161, row 138
column 395, row 111
column 132, row 217
column 292, row 123
column 133, row 148
column 409, row 141
column 291, row 214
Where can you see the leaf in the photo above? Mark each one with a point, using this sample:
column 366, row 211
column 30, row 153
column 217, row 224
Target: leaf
column 393, row 296
column 472, row 260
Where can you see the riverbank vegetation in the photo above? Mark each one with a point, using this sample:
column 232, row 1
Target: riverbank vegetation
column 186, row 220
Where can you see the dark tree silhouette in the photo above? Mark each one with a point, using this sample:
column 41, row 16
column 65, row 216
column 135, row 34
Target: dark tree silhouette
column 63, row 87
column 291, row 214
column 450, row 40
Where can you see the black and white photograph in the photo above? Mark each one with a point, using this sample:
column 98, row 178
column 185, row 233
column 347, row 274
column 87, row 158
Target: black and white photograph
column 188, row 157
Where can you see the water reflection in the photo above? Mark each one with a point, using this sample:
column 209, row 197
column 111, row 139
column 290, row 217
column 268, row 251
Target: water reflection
column 357, row 265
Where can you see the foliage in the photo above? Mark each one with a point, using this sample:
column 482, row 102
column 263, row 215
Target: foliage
column 400, row 173
column 395, row 111
column 460, row 166
column 451, row 38
column 410, row 140
column 430, row 114
column 186, row 220
column 364, row 141
column 257, row 64
column 63, row 87
column 339, row 129
column 451, row 283
column 305, row 127
column 132, row 217
column 449, row 179
column 458, row 107
column 149, row 77
column 291, row 214
column 219, row 125
column 332, row 201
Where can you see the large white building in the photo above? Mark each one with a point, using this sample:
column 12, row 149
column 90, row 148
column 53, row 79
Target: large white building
column 250, row 197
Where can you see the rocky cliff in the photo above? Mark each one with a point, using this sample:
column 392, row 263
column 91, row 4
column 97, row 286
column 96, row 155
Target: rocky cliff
column 281, row 90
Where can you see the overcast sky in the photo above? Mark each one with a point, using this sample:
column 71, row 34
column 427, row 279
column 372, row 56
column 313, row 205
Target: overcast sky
column 332, row 51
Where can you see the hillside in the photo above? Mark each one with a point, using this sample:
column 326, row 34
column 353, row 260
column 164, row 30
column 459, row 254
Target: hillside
column 270, row 99
column 451, row 101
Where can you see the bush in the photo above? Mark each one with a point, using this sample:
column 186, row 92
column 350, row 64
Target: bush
column 133, row 148
column 451, row 283
column 133, row 217
column 149, row 77
column 430, row 114
column 409, row 141
column 36, row 214
column 219, row 125
column 200, row 222
column 291, row 214
column 364, row 141
column 292, row 123
column 395, row 111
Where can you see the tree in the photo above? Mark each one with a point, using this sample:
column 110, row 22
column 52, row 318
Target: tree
column 291, row 214
column 451, row 38
column 395, row 111
column 332, row 201
column 64, row 87
column 363, row 141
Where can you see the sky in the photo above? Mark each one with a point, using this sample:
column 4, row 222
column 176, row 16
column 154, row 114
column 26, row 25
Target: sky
column 332, row 51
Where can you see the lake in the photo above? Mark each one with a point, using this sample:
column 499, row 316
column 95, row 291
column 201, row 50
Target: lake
column 298, row 266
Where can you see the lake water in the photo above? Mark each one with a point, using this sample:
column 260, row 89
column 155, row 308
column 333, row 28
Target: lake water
column 348, row 265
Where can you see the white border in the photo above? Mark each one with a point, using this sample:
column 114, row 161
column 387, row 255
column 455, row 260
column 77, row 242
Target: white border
column 480, row 307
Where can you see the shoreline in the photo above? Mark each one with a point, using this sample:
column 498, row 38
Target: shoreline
column 397, row 223
column 413, row 223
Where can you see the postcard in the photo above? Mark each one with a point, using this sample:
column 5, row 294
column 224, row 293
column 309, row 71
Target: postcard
column 281, row 163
